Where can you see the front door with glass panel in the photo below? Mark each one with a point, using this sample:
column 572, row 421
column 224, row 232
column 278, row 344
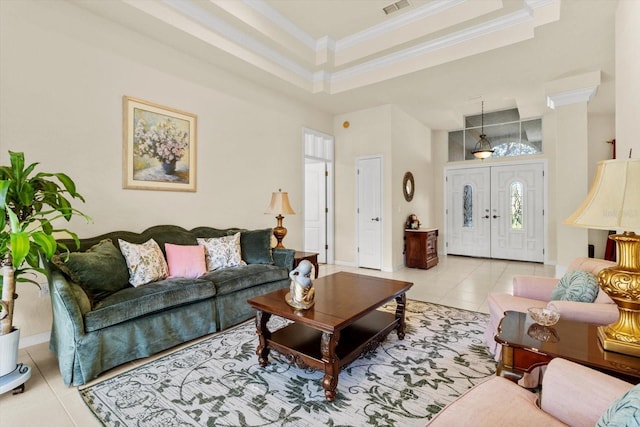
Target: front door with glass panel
column 496, row 212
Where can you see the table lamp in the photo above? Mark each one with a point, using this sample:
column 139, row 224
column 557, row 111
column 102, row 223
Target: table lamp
column 613, row 203
column 279, row 205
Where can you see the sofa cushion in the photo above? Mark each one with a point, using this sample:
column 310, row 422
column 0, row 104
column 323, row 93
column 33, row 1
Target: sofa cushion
column 146, row 262
column 100, row 271
column 134, row 302
column 230, row 280
column 577, row 285
column 255, row 246
column 185, row 260
column 222, row 252
column 625, row 411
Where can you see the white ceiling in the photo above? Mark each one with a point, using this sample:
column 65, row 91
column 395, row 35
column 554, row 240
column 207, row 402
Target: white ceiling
column 435, row 59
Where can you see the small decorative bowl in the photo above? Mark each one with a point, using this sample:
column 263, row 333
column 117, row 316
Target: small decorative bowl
column 544, row 316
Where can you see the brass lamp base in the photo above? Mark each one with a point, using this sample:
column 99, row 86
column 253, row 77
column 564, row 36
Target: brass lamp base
column 622, row 284
column 279, row 232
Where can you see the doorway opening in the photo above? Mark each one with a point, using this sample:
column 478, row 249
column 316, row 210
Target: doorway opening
column 318, row 194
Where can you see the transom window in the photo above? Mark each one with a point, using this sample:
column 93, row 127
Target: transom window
column 507, row 133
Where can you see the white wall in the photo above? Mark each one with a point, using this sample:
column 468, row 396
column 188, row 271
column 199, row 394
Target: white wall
column 63, row 73
column 404, row 143
column 411, row 151
column 601, row 129
column 627, row 81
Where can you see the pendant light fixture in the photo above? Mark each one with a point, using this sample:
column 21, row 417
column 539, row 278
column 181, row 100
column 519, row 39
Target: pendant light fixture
column 483, row 148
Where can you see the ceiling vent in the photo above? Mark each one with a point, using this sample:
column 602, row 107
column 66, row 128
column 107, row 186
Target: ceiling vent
column 393, row 7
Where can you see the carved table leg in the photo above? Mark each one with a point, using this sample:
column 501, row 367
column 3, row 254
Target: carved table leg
column 331, row 365
column 401, row 302
column 263, row 335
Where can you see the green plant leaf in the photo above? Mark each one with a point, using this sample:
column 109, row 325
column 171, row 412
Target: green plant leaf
column 46, row 242
column 19, row 247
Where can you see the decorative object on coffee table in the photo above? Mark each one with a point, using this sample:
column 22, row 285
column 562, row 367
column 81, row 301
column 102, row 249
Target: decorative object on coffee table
column 312, row 257
column 544, row 316
column 301, row 293
column 280, row 205
column 614, row 203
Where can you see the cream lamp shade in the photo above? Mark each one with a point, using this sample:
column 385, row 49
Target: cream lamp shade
column 279, row 205
column 613, row 203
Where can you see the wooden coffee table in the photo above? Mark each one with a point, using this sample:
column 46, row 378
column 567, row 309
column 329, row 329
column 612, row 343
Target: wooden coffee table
column 526, row 345
column 342, row 325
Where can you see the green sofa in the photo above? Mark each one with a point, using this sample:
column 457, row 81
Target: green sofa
column 94, row 332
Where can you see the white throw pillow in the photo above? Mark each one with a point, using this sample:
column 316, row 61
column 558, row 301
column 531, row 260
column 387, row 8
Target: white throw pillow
column 146, row 262
column 222, row 252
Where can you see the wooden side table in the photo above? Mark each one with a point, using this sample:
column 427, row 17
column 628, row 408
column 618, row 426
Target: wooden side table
column 526, row 345
column 312, row 257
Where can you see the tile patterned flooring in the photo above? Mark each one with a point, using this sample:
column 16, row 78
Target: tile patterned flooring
column 456, row 281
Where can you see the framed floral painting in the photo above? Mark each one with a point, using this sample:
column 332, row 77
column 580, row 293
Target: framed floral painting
column 159, row 147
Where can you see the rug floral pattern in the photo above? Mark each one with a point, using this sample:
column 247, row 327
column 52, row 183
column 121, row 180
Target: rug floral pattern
column 218, row 381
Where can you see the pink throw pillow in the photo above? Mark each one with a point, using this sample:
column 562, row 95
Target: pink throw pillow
column 185, row 261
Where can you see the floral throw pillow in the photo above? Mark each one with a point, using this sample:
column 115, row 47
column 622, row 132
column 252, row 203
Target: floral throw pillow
column 146, row 262
column 222, row 252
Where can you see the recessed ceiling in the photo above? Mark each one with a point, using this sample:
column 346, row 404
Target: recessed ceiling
column 435, row 58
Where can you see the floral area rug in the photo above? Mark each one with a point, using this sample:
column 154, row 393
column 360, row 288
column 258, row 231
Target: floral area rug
column 218, row 381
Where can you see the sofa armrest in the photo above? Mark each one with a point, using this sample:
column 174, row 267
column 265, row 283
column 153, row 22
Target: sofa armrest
column 577, row 395
column 534, row 287
column 587, row 312
column 283, row 257
column 67, row 302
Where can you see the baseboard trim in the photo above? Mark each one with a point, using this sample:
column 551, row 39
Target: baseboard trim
column 34, row 339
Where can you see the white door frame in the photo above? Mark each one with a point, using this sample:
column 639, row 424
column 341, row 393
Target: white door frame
column 502, row 163
column 321, row 152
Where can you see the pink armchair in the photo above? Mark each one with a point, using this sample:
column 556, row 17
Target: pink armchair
column 572, row 395
column 534, row 291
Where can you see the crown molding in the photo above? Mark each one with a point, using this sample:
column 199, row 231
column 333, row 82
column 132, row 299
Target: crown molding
column 312, row 70
column 577, row 96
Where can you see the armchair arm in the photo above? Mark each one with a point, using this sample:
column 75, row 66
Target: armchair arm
column 587, row 312
column 283, row 257
column 534, row 287
column 577, row 395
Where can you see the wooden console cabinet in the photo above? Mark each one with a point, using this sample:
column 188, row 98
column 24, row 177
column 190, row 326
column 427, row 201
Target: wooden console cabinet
column 421, row 248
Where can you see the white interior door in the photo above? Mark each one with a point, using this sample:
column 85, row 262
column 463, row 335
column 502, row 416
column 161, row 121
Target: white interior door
column 496, row 212
column 517, row 212
column 315, row 209
column 369, row 212
column 468, row 207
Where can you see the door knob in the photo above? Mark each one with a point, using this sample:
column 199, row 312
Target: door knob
column 375, row 219
column 496, row 216
column 486, row 217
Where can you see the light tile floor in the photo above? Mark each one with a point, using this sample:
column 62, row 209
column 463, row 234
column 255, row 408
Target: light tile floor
column 456, row 281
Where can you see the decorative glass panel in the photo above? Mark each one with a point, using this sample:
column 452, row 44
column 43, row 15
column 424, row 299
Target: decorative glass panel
column 507, row 133
column 467, row 206
column 516, row 205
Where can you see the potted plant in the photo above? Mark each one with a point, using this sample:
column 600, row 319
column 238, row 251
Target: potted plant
column 29, row 204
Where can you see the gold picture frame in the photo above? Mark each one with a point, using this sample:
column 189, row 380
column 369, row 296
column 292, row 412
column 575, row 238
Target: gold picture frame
column 159, row 149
